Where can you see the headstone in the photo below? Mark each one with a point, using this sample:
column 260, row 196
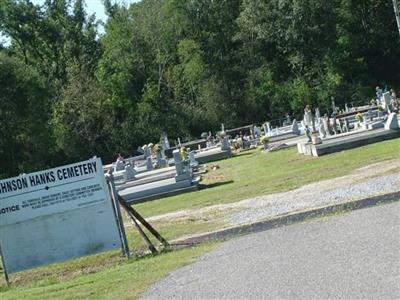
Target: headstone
column 334, row 125
column 149, row 163
column 317, row 114
column 378, row 92
column 140, row 150
column 192, row 158
column 386, row 100
column 146, row 151
column 225, row 144
column 295, row 127
column 288, row 121
column 257, row 131
column 265, row 129
column 321, row 129
column 392, row 122
column 165, row 142
column 325, row 122
column 178, row 162
column 119, row 165
column 161, row 162
column 365, row 120
column 182, row 173
column 308, row 118
column 268, row 126
column 308, row 133
column 345, row 125
column 129, row 173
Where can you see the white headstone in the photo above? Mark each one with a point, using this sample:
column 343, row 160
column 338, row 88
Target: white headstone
column 317, row 114
column 165, row 141
column 149, row 163
column 365, row 121
column 295, row 127
column 182, row 171
column 161, row 162
column 193, row 161
column 178, row 162
column 146, row 151
column 265, row 129
column 321, row 129
column 308, row 119
column 257, row 131
column 392, row 122
column 119, row 165
column 386, row 100
column 129, row 173
column 325, row 121
column 225, row 144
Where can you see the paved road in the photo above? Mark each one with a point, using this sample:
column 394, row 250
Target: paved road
column 355, row 255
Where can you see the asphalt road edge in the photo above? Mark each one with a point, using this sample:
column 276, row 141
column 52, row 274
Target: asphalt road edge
column 288, row 219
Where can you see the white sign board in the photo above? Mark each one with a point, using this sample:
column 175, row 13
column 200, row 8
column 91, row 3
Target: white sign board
column 55, row 215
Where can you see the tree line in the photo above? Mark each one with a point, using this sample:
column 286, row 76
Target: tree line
column 70, row 90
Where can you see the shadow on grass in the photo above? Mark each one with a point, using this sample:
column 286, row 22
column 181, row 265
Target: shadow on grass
column 215, row 184
column 245, row 153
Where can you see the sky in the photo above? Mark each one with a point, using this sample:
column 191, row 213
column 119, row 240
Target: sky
column 92, row 7
column 95, row 6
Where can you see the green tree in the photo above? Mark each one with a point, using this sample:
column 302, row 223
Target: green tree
column 51, row 36
column 25, row 136
column 81, row 118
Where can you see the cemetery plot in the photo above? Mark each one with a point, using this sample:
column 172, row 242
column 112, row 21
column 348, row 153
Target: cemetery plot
column 352, row 141
column 55, row 215
column 372, row 132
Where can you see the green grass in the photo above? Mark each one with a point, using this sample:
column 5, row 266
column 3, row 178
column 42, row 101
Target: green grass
column 254, row 173
column 249, row 174
column 126, row 279
column 171, row 230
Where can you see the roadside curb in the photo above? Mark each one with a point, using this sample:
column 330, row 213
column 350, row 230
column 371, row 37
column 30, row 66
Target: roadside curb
column 288, row 219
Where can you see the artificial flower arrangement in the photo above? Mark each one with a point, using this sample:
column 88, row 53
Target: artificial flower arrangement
column 359, row 117
column 264, row 139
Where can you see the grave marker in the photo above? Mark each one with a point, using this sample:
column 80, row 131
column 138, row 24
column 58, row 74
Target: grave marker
column 392, row 122
column 149, row 163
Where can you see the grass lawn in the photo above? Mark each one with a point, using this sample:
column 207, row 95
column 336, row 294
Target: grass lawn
column 254, row 173
column 104, row 276
column 247, row 175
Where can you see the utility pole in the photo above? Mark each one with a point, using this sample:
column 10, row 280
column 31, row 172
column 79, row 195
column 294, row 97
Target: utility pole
column 397, row 13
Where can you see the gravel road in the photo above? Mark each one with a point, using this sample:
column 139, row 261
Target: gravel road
column 313, row 197
column 369, row 181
